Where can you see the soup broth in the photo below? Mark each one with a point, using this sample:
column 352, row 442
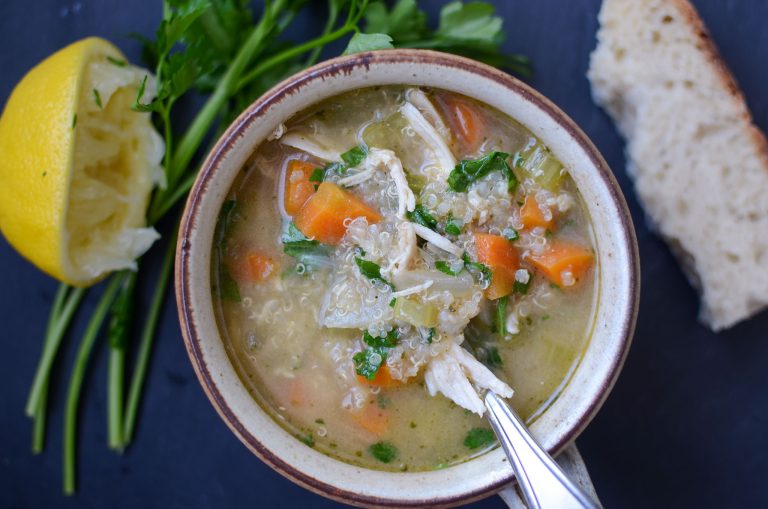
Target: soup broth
column 386, row 253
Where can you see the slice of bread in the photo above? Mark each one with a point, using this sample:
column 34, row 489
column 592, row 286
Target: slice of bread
column 699, row 164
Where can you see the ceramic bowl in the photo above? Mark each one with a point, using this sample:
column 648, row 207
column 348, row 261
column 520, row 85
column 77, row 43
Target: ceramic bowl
column 617, row 263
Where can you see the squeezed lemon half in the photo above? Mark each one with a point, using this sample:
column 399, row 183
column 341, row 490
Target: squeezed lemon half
column 77, row 165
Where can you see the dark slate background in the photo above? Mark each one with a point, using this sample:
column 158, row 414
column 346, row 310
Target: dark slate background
column 685, row 425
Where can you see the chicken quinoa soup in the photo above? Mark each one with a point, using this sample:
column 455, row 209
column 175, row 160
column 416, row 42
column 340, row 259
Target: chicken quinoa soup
column 388, row 255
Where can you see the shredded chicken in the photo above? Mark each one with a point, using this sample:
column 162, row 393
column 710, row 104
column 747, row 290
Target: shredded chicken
column 406, row 249
column 450, row 374
column 357, row 178
column 418, row 98
column 378, row 158
column 431, row 137
column 311, row 146
column 412, row 290
column 437, row 240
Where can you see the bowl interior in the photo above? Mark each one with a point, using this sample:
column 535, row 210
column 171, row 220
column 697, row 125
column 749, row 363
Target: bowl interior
column 617, row 286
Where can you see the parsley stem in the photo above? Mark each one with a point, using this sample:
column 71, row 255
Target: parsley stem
column 58, row 323
column 41, row 411
column 145, row 346
column 293, row 52
column 118, row 339
column 76, row 380
column 192, row 138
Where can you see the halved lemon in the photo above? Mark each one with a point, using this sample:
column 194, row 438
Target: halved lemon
column 77, row 165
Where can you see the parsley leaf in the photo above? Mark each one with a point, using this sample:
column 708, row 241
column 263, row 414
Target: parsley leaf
column 471, row 29
column 318, row 175
column 453, row 226
column 404, row 22
column 479, row 437
column 116, row 61
column 445, row 268
column 227, row 287
column 371, row 270
column 469, row 171
column 368, row 42
column 354, row 156
column 383, row 451
column 297, row 245
column 368, row 362
column 388, row 341
column 97, row 98
column 421, row 215
column 510, row 234
column 501, row 316
column 486, row 274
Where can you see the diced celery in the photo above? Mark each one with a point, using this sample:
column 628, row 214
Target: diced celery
column 542, row 167
column 416, row 313
column 416, row 182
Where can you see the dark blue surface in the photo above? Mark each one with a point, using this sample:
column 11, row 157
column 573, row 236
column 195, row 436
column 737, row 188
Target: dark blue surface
column 684, row 427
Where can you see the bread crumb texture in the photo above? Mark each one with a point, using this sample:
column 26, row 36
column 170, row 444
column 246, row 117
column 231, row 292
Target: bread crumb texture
column 699, row 164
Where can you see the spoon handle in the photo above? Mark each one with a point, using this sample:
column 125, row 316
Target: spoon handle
column 543, row 483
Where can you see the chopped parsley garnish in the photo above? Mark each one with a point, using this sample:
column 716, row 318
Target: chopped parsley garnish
column 453, row 226
column 318, row 175
column 383, row 451
column 372, row 271
column 510, row 234
column 484, row 270
column 421, row 215
column 116, row 61
column 430, row 335
column 393, row 302
column 445, row 268
column 479, row 437
column 97, row 98
column 354, row 156
column 297, row 245
column 501, row 316
column 74, row 120
column 388, row 341
column 493, row 358
column 382, row 401
column 227, row 287
column 469, row 171
column 308, row 439
column 368, row 362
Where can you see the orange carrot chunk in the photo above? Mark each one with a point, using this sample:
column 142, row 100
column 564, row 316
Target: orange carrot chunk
column 324, row 214
column 465, row 121
column 372, row 418
column 502, row 258
column 383, row 378
column 298, row 187
column 531, row 215
column 563, row 262
column 260, row 266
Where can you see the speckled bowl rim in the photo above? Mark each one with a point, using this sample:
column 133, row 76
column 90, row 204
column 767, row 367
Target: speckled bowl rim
column 260, row 111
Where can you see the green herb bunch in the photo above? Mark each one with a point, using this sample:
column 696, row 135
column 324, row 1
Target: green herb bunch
column 222, row 50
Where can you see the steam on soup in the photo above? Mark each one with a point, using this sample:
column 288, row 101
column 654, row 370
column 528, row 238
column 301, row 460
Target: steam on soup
column 388, row 253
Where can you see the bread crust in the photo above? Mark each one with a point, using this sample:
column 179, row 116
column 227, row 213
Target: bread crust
column 655, row 66
column 707, row 46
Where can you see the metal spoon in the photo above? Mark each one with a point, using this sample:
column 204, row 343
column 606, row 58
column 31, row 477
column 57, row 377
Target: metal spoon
column 543, row 483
